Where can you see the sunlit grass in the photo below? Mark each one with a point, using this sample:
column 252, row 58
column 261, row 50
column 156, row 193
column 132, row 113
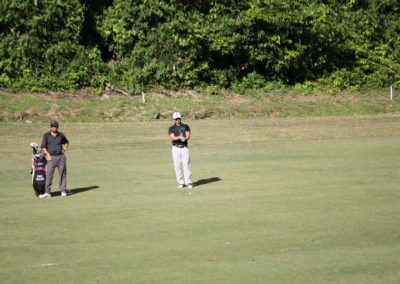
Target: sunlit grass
column 295, row 200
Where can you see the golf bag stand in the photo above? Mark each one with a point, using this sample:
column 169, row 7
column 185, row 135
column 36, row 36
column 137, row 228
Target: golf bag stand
column 38, row 170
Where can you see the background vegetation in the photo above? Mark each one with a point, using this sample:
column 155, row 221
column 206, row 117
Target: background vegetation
column 239, row 45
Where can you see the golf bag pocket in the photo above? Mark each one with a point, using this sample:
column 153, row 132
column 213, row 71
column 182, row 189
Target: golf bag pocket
column 39, row 174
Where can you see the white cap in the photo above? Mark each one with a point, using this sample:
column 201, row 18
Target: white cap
column 176, row 115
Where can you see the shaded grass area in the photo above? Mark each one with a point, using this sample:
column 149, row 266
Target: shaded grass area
column 115, row 108
column 305, row 200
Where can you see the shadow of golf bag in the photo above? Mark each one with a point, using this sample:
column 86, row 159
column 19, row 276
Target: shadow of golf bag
column 38, row 170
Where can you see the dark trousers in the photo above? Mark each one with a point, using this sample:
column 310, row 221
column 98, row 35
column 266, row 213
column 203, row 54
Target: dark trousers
column 59, row 162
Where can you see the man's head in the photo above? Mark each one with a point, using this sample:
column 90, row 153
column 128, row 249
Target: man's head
column 54, row 125
column 177, row 117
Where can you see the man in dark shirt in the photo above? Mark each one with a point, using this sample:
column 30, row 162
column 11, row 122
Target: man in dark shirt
column 54, row 143
column 179, row 134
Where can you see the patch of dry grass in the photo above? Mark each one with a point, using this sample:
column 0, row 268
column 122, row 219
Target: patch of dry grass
column 82, row 106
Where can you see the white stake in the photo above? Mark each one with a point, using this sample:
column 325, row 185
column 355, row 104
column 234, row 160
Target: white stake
column 391, row 93
column 143, row 99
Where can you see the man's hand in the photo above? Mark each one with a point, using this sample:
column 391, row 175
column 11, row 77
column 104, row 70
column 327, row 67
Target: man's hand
column 65, row 147
column 48, row 156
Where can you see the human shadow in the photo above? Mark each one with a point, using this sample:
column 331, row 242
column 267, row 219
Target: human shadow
column 82, row 189
column 76, row 190
column 206, row 180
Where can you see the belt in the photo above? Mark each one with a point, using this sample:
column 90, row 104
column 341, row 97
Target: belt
column 180, row 146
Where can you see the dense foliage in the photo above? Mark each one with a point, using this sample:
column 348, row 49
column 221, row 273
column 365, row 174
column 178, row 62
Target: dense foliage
column 139, row 44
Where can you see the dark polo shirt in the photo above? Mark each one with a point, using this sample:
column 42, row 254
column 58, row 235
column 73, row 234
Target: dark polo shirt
column 177, row 131
column 53, row 144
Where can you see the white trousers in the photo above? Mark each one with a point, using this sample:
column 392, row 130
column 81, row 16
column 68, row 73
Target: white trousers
column 181, row 158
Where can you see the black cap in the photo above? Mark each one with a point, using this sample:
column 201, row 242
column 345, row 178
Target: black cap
column 54, row 123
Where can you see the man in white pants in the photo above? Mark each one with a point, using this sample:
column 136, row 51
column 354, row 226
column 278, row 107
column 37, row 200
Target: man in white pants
column 179, row 134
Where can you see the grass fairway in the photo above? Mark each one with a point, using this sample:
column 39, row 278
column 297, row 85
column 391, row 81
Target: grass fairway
column 309, row 200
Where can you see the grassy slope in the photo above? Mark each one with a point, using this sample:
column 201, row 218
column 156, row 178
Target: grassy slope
column 306, row 200
column 82, row 107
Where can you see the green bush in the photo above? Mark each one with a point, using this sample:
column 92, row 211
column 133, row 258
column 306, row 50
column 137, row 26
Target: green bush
column 252, row 81
column 241, row 45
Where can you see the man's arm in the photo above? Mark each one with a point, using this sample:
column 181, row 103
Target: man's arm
column 44, row 147
column 187, row 134
column 65, row 147
column 172, row 137
column 48, row 156
column 65, row 143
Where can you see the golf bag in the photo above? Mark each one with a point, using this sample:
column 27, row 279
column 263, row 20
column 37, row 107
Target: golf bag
column 38, row 170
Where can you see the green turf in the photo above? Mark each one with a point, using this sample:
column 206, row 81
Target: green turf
column 309, row 200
